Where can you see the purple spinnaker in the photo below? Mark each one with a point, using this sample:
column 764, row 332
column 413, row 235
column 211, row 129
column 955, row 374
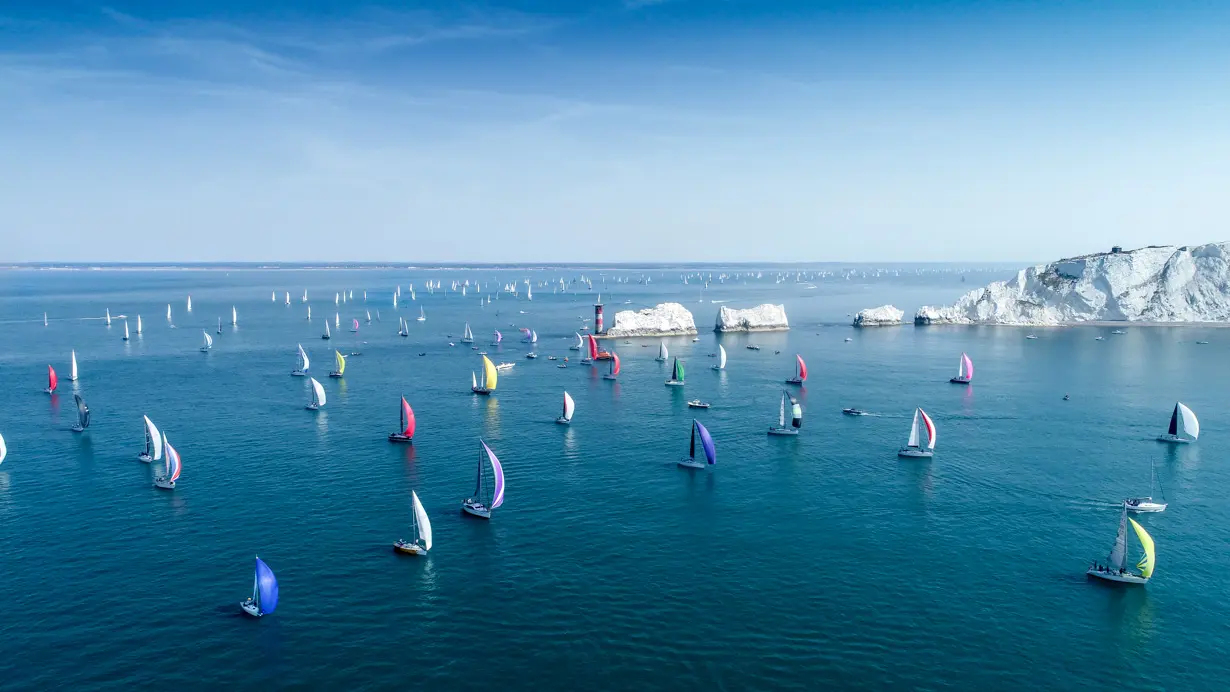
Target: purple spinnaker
column 706, row 441
column 497, row 497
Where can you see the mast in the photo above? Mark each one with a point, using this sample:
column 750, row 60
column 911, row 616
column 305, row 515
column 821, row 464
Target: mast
column 692, row 446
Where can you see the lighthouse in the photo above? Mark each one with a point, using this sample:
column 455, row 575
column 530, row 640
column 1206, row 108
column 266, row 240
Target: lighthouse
column 598, row 328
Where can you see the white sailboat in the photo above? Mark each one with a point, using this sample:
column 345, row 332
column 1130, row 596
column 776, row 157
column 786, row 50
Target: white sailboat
column 721, row 358
column 420, row 525
column 153, row 442
column 219, row 325
column 273, row 296
column 1148, row 504
column 326, row 335
column 288, row 298
column 4, row 450
column 1116, row 563
column 301, row 364
column 72, row 371
column 781, row 428
column 570, row 407
column 318, row 396
column 467, row 336
column 403, row 328
column 44, row 319
column 138, row 325
column 168, row 312
column 422, row 315
column 234, row 316
column 309, row 313
column 369, row 316
column 663, row 354
column 209, row 342
column 125, row 330
column 189, row 303
column 304, row 298
column 922, row 437
column 1184, row 428
column 579, row 345
column 108, row 317
column 337, row 320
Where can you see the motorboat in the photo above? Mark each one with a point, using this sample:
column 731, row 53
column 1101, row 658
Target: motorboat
column 504, row 366
column 697, row 403
column 531, row 355
column 855, row 412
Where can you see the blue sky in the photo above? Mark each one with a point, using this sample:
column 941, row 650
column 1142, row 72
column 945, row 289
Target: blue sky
column 609, row 131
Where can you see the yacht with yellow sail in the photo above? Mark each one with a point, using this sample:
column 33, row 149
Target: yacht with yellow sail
column 488, row 382
column 341, row 364
column 1116, row 569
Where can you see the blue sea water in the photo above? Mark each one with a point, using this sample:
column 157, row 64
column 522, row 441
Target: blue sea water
column 821, row 561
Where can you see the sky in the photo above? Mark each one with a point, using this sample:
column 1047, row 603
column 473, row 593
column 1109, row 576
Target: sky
column 610, row 130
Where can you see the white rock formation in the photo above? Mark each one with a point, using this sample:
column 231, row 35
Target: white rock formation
column 1153, row 284
column 664, row 319
column 883, row 316
column 762, row 318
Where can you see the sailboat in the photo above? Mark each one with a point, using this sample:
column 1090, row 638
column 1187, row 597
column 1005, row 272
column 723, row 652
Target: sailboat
column 234, row 317
column 570, row 407
column 781, row 428
column 4, row 450
column 172, row 467
column 301, row 363
column 422, row 315
column 264, row 598
column 800, row 371
column 72, row 371
column 189, row 303
column 965, row 372
column 309, row 313
column 153, row 442
column 83, row 414
column 580, row 344
column 407, row 424
column 707, row 446
column 369, row 316
column 498, row 338
column 219, row 325
column 44, row 319
column 52, row 381
column 318, row 396
column 1116, row 563
column 403, row 329
column 663, row 354
column 614, row 373
column 340, row 361
column 922, row 437
column 490, row 377
column 304, row 298
column 138, row 325
column 354, row 327
column 721, row 358
column 676, row 379
column 1184, row 428
column 1148, row 504
column 337, row 320
column 487, row 496
column 421, row 526
column 125, row 330
column 288, row 298
column 108, row 317
column 593, row 350
column 209, row 342
column 168, row 312
column 326, row 335
column 467, row 336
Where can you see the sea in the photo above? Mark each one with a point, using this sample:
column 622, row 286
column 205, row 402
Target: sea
column 817, row 562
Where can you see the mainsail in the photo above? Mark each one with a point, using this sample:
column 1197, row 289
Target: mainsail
column 303, row 359
column 570, row 407
column 83, row 411
column 72, row 373
column 153, row 440
column 421, row 520
column 318, row 393
column 721, row 357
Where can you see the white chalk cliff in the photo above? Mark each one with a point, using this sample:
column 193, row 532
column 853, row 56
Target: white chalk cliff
column 664, row 319
column 1153, row 284
column 883, row 316
column 762, row 318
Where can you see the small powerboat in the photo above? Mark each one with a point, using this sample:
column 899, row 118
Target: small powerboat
column 504, row 366
column 854, row 412
column 531, row 355
column 1032, row 336
column 552, row 358
column 697, row 403
column 753, row 347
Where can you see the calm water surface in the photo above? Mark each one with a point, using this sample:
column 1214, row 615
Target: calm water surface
column 793, row 564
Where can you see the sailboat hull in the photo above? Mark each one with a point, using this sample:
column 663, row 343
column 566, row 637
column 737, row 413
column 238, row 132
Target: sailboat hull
column 77, row 428
column 610, row 377
column 915, row 453
column 163, row 483
column 408, row 548
column 1145, row 505
column 782, row 431
column 335, row 374
column 250, row 608
column 398, row 437
column 691, row 463
column 794, row 380
column 298, row 373
column 1125, row 578
column 1174, row 439
column 142, row 456
column 674, row 383
column 480, row 390
column 312, row 407
column 960, row 380
column 563, row 421
column 476, row 509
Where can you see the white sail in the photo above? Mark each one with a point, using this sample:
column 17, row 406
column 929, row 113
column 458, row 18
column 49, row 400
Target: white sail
column 155, row 438
column 168, row 312
column 1187, row 422
column 189, row 303
column 209, row 340
column 473, row 381
column 288, row 297
column 303, row 359
column 327, row 329
column 4, row 450
column 44, row 319
column 781, row 413
column 570, row 406
column 234, row 316
column 336, row 298
column 125, row 330
column 913, row 442
column 309, row 316
column 1118, row 554
column 108, row 317
column 138, row 324
column 273, row 296
column 662, row 352
column 420, row 517
column 337, row 320
column 72, row 373
column 318, row 393
column 721, row 357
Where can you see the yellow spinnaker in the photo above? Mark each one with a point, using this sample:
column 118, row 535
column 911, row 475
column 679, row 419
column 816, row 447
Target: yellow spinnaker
column 489, row 373
column 341, row 362
column 1147, row 562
